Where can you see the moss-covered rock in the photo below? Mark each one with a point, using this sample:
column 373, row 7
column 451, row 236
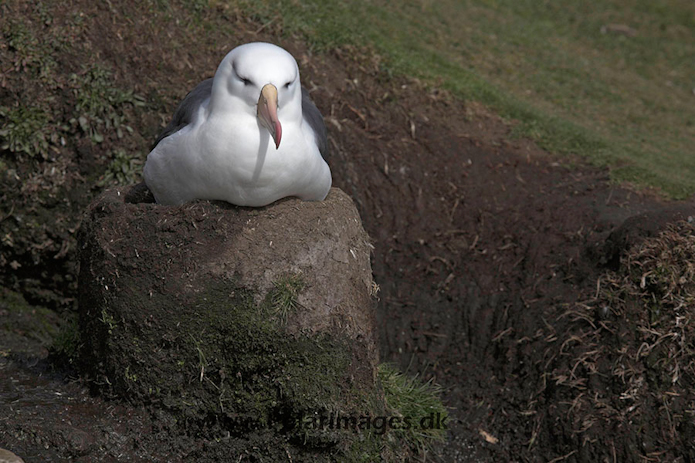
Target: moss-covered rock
column 24, row 328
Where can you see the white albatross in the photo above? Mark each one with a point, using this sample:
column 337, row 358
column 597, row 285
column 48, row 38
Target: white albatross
column 248, row 136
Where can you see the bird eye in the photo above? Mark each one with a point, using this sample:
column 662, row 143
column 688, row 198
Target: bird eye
column 242, row 79
column 287, row 85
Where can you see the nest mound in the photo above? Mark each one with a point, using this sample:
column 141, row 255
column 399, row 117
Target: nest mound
column 245, row 319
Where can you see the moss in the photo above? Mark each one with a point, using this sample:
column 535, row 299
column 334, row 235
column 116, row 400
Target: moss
column 21, row 321
column 221, row 361
column 222, row 358
column 26, row 329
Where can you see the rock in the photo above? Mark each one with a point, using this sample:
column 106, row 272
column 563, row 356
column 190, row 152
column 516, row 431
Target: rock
column 619, row 29
column 8, row 457
column 250, row 316
column 636, row 229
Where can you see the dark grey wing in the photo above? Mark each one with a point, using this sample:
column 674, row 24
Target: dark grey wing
column 186, row 109
column 313, row 117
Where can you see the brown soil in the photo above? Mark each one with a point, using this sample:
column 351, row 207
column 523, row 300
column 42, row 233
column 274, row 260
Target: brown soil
column 481, row 242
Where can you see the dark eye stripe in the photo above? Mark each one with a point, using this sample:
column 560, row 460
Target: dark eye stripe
column 243, row 79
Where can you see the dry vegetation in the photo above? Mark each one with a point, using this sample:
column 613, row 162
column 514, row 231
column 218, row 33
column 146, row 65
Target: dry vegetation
column 635, row 336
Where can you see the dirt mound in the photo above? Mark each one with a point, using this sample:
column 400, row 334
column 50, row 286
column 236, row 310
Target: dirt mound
column 246, row 319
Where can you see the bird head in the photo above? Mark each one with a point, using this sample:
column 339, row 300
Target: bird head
column 261, row 79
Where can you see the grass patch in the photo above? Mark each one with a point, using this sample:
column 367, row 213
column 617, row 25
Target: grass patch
column 404, row 420
column 67, row 342
column 409, row 397
column 609, row 82
column 283, row 296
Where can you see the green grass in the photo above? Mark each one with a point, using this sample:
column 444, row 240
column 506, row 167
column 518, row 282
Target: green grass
column 409, row 397
column 67, row 342
column 615, row 99
column 283, row 296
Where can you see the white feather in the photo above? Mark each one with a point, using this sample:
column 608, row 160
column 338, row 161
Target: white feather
column 225, row 154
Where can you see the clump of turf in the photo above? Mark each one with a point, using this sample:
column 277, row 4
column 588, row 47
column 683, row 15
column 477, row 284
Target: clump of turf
column 401, row 420
column 628, row 357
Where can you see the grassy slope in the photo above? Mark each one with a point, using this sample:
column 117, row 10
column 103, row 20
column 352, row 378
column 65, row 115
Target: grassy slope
column 618, row 99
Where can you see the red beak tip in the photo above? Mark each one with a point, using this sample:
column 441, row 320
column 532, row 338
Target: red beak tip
column 278, row 134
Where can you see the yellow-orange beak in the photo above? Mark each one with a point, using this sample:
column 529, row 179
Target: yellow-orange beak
column 267, row 112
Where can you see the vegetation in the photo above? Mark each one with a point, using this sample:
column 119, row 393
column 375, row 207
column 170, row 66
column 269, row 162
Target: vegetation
column 30, row 54
column 67, row 343
column 25, row 131
column 283, row 297
column 21, row 322
column 637, row 333
column 225, row 359
column 60, row 101
column 124, row 169
column 609, row 82
column 409, row 397
column 99, row 105
column 410, row 419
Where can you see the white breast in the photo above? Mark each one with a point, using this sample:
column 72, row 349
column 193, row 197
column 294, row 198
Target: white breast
column 235, row 160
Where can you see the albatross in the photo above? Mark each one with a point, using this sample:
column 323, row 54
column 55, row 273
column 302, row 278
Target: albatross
column 249, row 136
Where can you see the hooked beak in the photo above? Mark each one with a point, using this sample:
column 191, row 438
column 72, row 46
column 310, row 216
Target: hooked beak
column 267, row 112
